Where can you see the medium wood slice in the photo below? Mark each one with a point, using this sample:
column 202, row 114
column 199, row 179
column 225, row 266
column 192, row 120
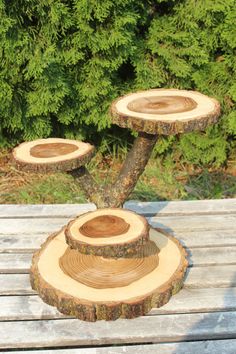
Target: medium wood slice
column 165, row 111
column 53, row 154
column 109, row 232
column 95, row 288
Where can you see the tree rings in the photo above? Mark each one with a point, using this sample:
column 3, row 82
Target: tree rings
column 110, row 232
column 165, row 111
column 109, row 272
column 91, row 298
column 53, row 154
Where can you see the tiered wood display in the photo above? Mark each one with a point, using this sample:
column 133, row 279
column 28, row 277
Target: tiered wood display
column 109, row 263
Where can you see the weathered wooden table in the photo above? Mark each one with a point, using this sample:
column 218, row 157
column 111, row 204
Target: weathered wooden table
column 201, row 318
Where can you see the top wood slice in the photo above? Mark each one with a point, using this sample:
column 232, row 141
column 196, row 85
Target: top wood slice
column 165, row 111
column 53, row 154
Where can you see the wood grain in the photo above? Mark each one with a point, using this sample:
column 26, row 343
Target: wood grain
column 155, row 329
column 183, row 207
column 165, row 208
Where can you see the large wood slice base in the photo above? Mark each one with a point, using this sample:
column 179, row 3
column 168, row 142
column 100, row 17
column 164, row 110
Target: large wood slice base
column 52, row 154
column 153, row 278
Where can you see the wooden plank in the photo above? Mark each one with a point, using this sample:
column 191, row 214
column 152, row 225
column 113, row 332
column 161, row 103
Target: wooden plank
column 31, row 226
column 200, row 300
column 197, row 277
column 30, row 307
column 20, row 262
column 194, row 223
column 15, row 284
column 183, row 207
column 170, row 223
column 208, row 238
column 15, row 263
column 155, row 329
column 211, row 277
column 224, row 346
column 19, row 242
column 216, row 206
column 212, row 256
column 44, row 210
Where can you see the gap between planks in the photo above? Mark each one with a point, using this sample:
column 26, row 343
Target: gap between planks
column 204, row 347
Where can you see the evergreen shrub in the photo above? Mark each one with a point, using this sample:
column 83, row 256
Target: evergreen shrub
column 62, row 62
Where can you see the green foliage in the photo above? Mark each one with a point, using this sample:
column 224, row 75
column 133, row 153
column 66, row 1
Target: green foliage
column 62, row 62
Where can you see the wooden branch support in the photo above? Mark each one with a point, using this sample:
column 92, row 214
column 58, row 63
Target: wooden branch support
column 132, row 168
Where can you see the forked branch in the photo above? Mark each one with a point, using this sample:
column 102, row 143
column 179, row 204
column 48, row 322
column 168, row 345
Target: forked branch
column 114, row 195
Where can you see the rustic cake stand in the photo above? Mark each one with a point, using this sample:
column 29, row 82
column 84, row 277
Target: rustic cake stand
column 109, row 263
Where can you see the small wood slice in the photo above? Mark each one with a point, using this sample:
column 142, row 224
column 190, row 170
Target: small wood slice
column 53, row 154
column 165, row 111
column 109, row 232
column 110, row 288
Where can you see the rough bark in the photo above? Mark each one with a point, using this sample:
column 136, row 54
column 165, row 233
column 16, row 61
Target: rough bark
column 92, row 190
column 109, row 310
column 125, row 250
column 166, row 128
column 132, row 168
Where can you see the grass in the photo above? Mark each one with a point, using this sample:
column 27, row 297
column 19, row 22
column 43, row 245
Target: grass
column 162, row 180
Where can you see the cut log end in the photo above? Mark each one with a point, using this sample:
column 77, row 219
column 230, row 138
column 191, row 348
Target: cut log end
column 91, row 288
column 109, row 232
column 165, row 111
column 104, row 226
column 53, row 154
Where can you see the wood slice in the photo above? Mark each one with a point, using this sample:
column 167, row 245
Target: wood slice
column 109, row 232
column 109, row 289
column 53, row 154
column 165, row 111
